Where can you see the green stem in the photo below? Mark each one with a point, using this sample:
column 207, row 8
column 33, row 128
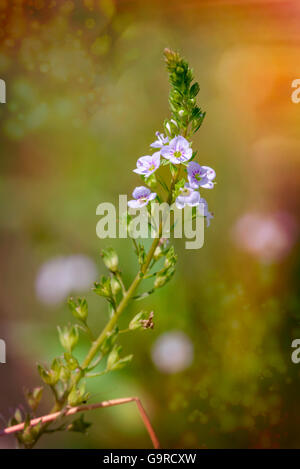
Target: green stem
column 128, row 294
column 122, row 305
column 119, row 278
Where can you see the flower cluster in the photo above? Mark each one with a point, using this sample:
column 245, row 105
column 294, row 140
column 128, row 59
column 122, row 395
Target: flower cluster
column 175, row 151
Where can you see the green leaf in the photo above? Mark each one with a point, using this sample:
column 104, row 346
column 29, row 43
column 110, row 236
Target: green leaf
column 194, row 90
column 143, row 295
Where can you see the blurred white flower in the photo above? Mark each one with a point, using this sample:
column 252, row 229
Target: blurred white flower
column 60, row 276
column 172, row 352
column 268, row 237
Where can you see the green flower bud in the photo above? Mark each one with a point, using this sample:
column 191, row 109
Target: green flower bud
column 71, row 361
column 136, row 322
column 110, row 259
column 78, row 396
column 33, row 397
column 74, row 398
column 18, row 416
column 55, row 369
column 158, row 253
column 160, row 280
column 171, row 258
column 65, row 374
column 151, row 181
column 114, row 362
column 115, row 286
column 103, row 288
column 68, row 337
column 48, row 376
column 79, row 309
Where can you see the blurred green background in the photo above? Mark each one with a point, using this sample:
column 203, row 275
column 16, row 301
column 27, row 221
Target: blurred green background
column 86, row 91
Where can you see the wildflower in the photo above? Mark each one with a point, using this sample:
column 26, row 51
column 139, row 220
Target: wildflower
column 147, row 165
column 200, row 176
column 178, row 150
column 187, row 196
column 160, row 142
column 142, row 196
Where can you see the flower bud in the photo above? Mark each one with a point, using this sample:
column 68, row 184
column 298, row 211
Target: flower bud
column 18, row 416
column 33, row 397
column 160, row 281
column 171, row 258
column 114, row 362
column 77, row 396
column 68, row 337
column 55, row 369
column 110, row 259
column 115, row 286
column 65, row 374
column 79, row 309
column 71, row 361
column 158, row 253
column 152, row 181
column 103, row 288
column 136, row 323
column 48, row 376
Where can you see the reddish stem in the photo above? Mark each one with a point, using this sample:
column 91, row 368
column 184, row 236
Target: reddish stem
column 83, row 408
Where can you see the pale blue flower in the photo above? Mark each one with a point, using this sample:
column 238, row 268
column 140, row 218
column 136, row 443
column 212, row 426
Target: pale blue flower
column 147, row 165
column 200, row 176
column 188, row 197
column 160, row 142
column 142, row 196
column 178, row 150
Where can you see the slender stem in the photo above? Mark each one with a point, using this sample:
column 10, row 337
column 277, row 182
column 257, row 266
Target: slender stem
column 119, row 278
column 122, row 305
column 47, row 419
column 127, row 295
column 98, row 373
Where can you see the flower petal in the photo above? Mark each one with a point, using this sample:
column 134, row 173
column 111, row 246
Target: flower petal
column 141, row 191
column 134, row 204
